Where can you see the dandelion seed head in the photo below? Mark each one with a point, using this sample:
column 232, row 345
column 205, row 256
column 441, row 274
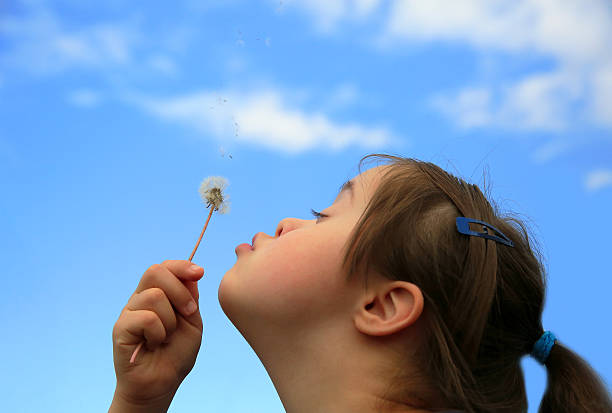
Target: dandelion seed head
column 211, row 191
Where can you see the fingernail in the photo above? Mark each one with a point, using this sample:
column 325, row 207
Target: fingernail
column 195, row 268
column 191, row 307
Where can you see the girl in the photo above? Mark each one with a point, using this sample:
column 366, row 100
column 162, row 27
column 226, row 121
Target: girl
column 385, row 303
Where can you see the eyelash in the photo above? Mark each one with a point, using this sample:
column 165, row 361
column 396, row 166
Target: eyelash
column 318, row 215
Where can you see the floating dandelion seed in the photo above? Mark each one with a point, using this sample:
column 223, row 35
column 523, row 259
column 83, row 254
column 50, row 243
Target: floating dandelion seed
column 236, row 126
column 211, row 191
column 223, row 152
column 240, row 42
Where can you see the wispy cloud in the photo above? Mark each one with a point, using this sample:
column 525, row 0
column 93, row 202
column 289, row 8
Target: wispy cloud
column 537, row 102
column 39, row 43
column 342, row 97
column 327, row 14
column 163, row 64
column 264, row 117
column 469, row 107
column 602, row 100
column 572, row 32
column 84, row 98
column 598, row 179
column 550, row 150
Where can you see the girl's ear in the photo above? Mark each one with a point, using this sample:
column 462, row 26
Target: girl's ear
column 389, row 308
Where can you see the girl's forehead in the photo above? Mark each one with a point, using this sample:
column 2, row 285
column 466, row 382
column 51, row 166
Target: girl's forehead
column 370, row 178
column 364, row 185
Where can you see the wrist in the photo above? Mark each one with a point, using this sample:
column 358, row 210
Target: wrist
column 122, row 404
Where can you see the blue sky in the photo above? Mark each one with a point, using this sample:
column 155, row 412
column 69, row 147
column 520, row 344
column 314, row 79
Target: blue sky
column 112, row 114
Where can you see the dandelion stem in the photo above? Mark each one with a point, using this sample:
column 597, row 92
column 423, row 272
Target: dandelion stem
column 211, row 191
column 212, row 208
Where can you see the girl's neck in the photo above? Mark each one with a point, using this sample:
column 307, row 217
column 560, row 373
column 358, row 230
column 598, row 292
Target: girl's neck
column 341, row 377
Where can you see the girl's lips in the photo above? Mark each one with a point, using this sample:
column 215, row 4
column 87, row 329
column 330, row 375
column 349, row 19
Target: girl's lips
column 243, row 247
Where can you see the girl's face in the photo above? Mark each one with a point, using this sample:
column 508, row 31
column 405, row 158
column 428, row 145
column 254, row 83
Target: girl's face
column 293, row 282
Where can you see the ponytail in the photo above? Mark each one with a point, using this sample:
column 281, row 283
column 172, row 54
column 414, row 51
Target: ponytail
column 573, row 386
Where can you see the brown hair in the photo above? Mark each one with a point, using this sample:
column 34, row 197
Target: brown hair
column 483, row 300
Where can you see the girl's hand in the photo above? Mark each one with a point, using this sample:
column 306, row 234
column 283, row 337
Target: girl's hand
column 156, row 313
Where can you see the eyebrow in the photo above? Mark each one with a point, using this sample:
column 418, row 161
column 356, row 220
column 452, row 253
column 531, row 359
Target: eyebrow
column 347, row 186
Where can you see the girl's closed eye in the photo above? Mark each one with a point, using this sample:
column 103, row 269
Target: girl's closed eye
column 318, row 215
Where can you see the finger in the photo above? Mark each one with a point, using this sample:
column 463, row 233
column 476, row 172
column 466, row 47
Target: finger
column 134, row 326
column 184, row 269
column 159, row 276
column 154, row 299
column 192, row 286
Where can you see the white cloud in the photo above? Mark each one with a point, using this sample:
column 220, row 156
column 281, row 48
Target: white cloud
column 575, row 33
column 40, row 44
column 327, row 14
column 602, row 102
column 470, row 107
column 341, row 97
column 84, row 98
column 598, row 179
column 163, row 64
column 541, row 101
column 263, row 118
column 551, row 150
column 572, row 29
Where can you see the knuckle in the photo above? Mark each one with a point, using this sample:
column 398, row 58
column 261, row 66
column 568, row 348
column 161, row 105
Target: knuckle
column 156, row 294
column 153, row 268
column 151, row 271
column 151, row 296
column 154, row 276
column 150, row 319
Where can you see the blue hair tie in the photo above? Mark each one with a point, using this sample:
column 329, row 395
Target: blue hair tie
column 541, row 348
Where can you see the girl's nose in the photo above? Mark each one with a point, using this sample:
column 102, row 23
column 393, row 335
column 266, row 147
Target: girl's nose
column 289, row 224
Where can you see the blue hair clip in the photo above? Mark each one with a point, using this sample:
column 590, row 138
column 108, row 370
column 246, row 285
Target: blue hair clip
column 463, row 226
